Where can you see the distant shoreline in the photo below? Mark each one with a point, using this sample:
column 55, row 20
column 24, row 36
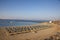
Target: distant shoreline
column 26, row 20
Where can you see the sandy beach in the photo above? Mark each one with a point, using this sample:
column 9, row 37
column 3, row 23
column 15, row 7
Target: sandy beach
column 43, row 33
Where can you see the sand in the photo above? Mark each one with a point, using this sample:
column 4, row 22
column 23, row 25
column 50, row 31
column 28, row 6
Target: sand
column 38, row 35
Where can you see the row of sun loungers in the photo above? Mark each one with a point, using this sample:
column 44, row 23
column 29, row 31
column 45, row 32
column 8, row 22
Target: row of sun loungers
column 25, row 29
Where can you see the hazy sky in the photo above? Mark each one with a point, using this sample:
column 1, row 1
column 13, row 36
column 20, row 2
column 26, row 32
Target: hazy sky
column 30, row 9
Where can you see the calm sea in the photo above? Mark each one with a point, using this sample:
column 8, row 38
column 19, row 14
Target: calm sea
column 17, row 22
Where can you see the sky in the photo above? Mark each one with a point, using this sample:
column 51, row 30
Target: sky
column 30, row 9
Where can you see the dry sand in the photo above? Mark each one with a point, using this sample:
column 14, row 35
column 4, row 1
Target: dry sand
column 39, row 35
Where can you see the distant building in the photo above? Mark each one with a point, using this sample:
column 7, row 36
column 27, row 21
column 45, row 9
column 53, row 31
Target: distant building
column 50, row 21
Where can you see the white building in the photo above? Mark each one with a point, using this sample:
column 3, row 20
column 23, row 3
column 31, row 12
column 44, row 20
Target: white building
column 50, row 21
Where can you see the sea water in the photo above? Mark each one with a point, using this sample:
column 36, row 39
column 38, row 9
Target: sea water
column 16, row 23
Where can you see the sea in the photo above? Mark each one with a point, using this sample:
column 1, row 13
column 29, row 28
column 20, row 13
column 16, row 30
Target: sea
column 11, row 22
